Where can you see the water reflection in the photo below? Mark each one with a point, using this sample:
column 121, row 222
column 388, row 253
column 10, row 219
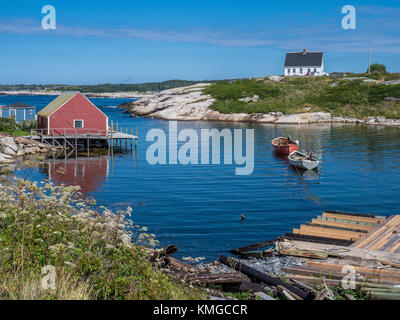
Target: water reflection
column 87, row 172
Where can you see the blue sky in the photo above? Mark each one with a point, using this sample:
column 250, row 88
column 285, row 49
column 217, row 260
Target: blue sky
column 137, row 41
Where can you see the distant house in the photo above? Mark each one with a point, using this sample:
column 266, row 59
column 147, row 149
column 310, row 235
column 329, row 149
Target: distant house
column 72, row 113
column 304, row 64
column 19, row 111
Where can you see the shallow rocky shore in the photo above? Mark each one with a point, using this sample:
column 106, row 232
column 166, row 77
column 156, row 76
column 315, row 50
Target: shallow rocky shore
column 14, row 148
column 189, row 104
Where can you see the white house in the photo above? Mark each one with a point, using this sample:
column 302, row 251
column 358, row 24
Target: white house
column 304, row 64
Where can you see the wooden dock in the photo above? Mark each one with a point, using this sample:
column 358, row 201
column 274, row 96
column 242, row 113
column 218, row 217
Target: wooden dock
column 334, row 243
column 72, row 138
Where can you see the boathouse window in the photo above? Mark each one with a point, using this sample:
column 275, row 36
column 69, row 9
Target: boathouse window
column 78, row 123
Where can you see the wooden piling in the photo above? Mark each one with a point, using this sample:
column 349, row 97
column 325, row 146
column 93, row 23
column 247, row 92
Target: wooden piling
column 126, row 139
column 136, row 137
column 131, row 139
column 112, row 129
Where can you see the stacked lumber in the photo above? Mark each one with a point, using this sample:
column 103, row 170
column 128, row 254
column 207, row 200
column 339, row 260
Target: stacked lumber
column 340, row 226
column 368, row 277
column 385, row 238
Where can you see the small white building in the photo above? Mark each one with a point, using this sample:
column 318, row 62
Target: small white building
column 304, row 64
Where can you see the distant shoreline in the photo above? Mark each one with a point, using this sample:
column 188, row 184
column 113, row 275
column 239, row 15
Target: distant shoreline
column 126, row 95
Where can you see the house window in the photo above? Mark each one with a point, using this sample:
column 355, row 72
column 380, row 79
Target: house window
column 315, row 70
column 309, row 70
column 294, row 70
column 288, row 70
column 30, row 112
column 78, row 123
column 301, row 70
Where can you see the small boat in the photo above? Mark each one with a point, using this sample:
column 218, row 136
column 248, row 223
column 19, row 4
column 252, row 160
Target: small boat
column 285, row 145
column 303, row 161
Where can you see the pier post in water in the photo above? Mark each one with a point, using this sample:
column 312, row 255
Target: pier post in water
column 111, row 134
column 126, row 139
column 136, row 138
column 131, row 139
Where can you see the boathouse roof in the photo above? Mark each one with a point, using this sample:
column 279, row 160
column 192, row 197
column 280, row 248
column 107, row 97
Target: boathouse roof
column 304, row 59
column 56, row 104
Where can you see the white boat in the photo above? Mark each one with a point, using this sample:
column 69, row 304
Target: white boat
column 303, row 161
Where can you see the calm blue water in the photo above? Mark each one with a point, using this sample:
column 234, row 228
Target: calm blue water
column 198, row 207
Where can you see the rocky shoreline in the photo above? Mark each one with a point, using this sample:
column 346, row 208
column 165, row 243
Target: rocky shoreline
column 190, row 104
column 14, row 148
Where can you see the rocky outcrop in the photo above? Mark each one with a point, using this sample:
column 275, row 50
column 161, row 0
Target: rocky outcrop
column 13, row 147
column 189, row 103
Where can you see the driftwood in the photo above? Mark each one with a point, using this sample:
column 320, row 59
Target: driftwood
column 285, row 294
column 252, row 254
column 311, row 254
column 156, row 255
column 255, row 246
column 263, row 278
column 304, row 286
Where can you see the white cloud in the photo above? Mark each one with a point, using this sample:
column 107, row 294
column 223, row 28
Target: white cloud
column 382, row 30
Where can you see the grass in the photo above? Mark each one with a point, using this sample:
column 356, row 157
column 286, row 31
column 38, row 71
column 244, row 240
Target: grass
column 90, row 249
column 338, row 96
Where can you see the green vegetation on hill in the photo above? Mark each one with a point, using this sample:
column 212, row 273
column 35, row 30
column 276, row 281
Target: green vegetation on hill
column 349, row 96
column 101, row 88
column 54, row 244
column 8, row 125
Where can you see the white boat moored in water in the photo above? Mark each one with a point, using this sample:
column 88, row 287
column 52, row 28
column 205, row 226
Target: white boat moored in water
column 303, row 161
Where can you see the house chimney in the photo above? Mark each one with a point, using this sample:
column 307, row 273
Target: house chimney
column 304, row 51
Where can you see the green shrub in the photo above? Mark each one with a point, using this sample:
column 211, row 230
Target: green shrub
column 377, row 68
column 91, row 249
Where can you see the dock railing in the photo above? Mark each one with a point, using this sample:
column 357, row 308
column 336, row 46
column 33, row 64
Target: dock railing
column 69, row 132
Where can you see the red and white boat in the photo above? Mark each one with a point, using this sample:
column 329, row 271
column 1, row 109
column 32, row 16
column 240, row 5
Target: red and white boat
column 285, row 145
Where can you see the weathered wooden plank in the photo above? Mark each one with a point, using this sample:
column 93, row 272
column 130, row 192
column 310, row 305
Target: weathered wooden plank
column 318, row 225
column 315, row 239
column 339, row 267
column 382, row 240
column 323, row 234
column 349, row 221
column 352, row 218
column 334, row 282
column 395, row 248
column 366, row 215
column 345, row 226
column 326, row 231
column 255, row 246
column 370, row 237
column 312, row 254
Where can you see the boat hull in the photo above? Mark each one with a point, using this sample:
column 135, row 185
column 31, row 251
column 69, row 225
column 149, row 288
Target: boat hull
column 285, row 149
column 303, row 163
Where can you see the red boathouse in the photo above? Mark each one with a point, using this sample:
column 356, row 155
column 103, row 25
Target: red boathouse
column 72, row 114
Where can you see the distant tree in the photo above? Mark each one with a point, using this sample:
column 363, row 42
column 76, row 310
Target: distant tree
column 378, row 68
